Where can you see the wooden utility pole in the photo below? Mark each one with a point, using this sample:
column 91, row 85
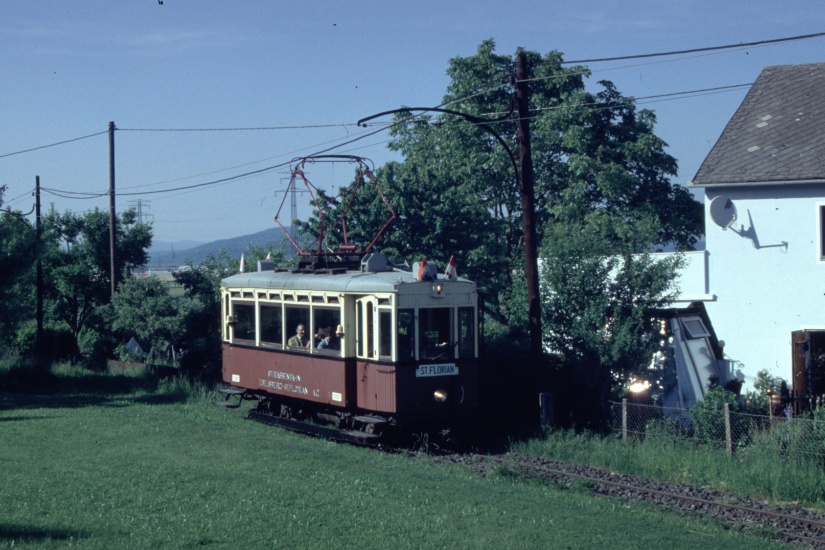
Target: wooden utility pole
column 39, row 251
column 112, row 220
column 528, row 207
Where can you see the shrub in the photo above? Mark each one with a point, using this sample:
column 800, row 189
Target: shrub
column 708, row 415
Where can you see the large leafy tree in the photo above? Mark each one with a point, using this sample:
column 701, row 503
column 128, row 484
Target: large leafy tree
column 77, row 262
column 598, row 166
column 17, row 258
column 604, row 199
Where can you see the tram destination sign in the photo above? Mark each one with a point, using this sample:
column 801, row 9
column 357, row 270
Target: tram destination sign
column 441, row 369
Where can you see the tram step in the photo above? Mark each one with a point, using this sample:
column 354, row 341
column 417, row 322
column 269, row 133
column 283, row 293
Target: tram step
column 370, row 419
column 231, row 391
column 227, row 404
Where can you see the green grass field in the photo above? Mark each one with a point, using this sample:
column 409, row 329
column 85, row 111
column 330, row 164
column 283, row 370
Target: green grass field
column 144, row 466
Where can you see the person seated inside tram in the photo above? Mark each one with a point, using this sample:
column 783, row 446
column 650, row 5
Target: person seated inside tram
column 324, row 338
column 299, row 340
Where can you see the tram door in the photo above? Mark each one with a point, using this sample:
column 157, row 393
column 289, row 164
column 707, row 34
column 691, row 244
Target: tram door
column 365, row 317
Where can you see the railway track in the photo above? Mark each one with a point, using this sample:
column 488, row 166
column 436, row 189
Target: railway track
column 790, row 524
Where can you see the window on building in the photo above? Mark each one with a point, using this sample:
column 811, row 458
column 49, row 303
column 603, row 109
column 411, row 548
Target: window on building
column 695, row 328
column 822, row 232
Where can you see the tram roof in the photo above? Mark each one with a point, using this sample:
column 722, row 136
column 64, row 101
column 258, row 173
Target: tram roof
column 350, row 281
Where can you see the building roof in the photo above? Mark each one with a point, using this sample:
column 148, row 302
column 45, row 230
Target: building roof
column 777, row 136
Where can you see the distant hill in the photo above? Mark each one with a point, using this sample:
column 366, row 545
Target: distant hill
column 172, row 255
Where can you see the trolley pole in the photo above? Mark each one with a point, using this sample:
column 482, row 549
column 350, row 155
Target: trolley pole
column 528, row 207
column 112, row 220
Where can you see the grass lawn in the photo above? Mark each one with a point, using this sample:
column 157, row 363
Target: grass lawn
column 162, row 470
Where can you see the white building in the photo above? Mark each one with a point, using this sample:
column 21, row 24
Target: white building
column 762, row 275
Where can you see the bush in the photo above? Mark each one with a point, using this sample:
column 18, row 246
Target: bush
column 708, row 415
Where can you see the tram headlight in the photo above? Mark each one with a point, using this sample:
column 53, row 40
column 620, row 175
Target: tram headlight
column 440, row 396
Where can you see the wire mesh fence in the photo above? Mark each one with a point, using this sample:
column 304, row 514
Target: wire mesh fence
column 723, row 428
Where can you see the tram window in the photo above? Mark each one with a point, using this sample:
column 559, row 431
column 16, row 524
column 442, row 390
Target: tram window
column 370, row 340
column 466, row 332
column 384, row 333
column 434, row 331
column 326, row 319
column 244, row 327
column 272, row 331
column 226, row 314
column 297, row 316
column 406, row 333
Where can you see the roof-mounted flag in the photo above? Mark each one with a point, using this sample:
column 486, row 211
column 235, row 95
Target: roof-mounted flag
column 450, row 272
column 422, row 269
column 243, row 264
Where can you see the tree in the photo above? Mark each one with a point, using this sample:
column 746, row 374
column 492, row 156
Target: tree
column 201, row 338
column 604, row 199
column 77, row 262
column 597, row 163
column 597, row 307
column 18, row 255
column 144, row 309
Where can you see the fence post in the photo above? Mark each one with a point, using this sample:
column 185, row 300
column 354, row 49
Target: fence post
column 728, row 437
column 546, row 409
column 624, row 419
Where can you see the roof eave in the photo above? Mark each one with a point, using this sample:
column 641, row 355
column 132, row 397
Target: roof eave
column 693, row 184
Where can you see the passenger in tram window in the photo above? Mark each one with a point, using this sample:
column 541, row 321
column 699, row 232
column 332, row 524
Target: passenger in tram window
column 299, row 340
column 324, row 337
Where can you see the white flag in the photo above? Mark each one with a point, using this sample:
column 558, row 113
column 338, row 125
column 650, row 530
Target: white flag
column 450, row 272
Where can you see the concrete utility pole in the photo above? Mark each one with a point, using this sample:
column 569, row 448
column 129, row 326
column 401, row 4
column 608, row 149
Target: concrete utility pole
column 528, row 206
column 112, row 233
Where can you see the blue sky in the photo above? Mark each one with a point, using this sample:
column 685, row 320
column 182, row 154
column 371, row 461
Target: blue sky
column 71, row 67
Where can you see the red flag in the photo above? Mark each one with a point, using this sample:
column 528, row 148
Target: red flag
column 422, row 269
column 450, row 272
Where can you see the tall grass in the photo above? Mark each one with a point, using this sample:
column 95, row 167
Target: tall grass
column 757, row 471
column 27, row 375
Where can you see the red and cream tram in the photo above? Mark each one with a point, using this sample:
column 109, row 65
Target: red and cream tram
column 380, row 348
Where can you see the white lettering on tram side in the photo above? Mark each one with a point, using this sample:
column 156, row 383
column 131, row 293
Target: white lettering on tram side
column 280, row 386
column 442, row 369
column 277, row 375
column 275, row 383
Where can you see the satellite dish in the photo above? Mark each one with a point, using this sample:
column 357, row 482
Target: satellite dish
column 722, row 211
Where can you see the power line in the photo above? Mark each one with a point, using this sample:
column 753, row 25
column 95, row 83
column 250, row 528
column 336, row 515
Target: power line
column 239, row 129
column 52, row 144
column 694, row 50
